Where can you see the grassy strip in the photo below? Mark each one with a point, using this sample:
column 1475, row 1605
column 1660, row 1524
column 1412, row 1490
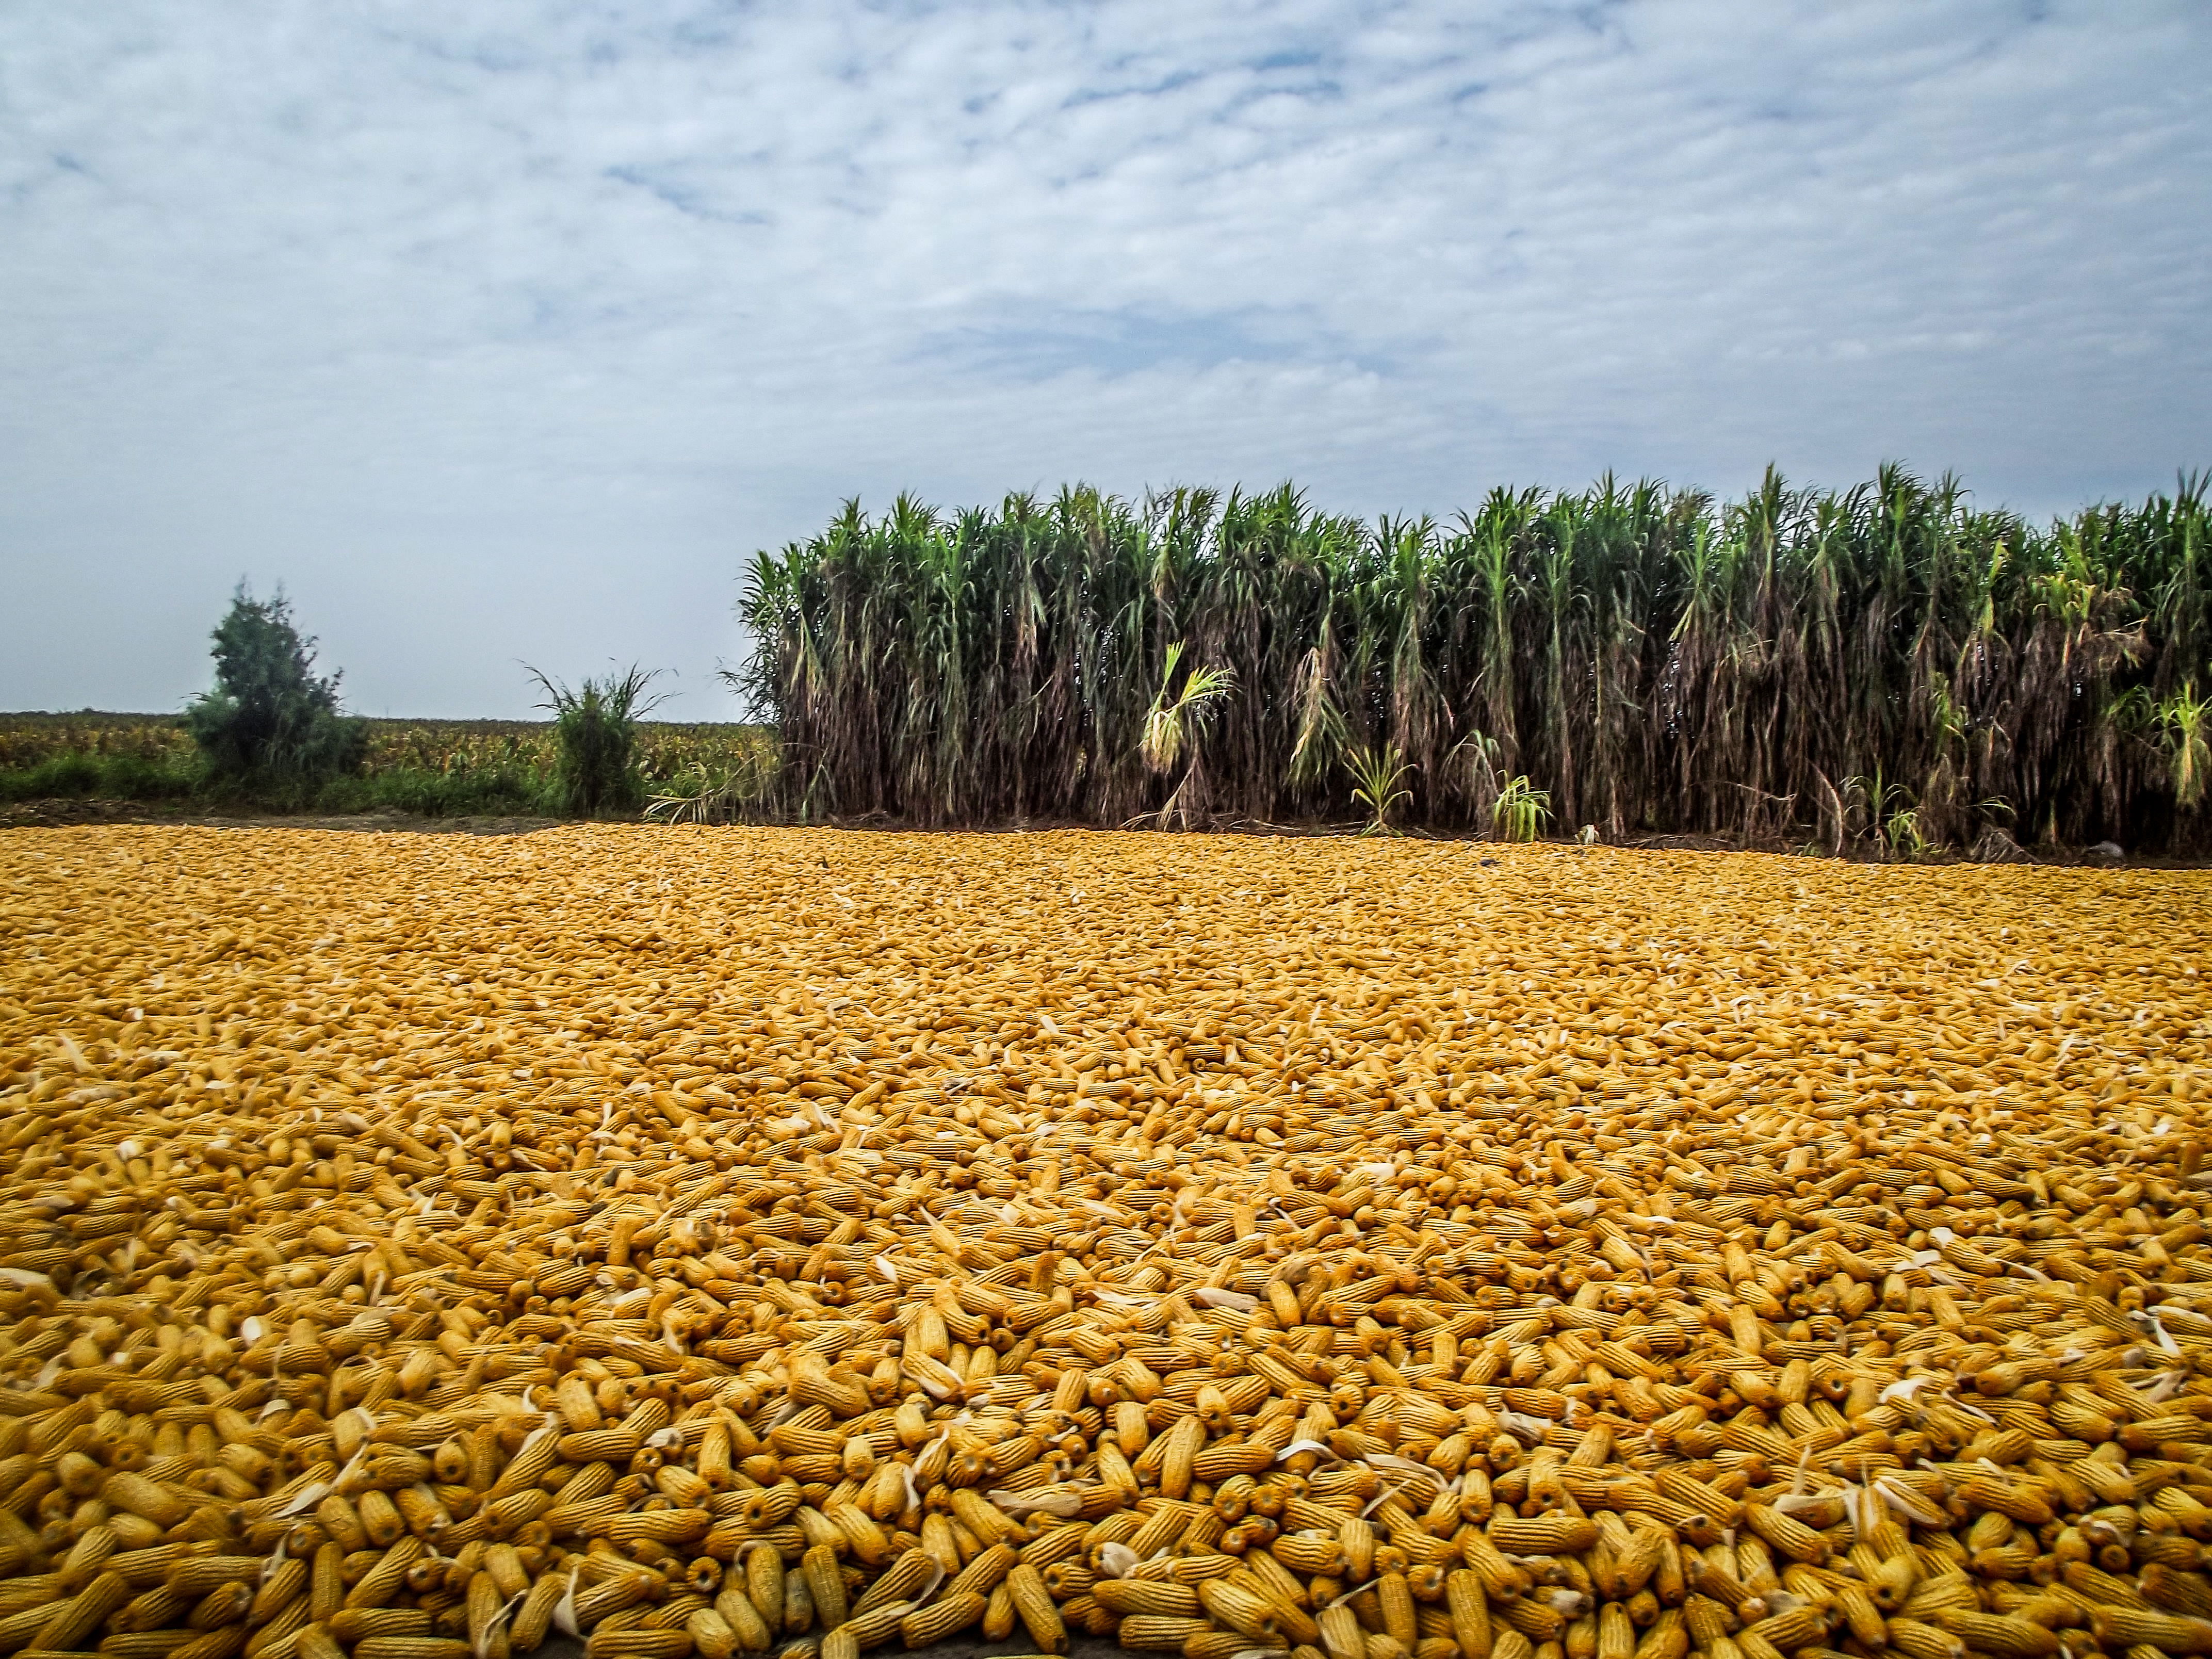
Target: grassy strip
column 79, row 774
column 501, row 791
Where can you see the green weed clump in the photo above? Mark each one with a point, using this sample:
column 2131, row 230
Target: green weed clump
column 595, row 725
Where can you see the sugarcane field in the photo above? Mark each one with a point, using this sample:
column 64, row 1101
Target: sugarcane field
column 746, row 1241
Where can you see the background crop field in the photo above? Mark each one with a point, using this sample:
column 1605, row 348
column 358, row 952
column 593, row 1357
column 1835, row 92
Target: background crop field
column 418, row 765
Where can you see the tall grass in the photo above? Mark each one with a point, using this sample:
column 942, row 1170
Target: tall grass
column 1649, row 659
column 595, row 727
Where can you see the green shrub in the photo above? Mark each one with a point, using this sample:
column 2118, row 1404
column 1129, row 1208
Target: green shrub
column 271, row 719
column 596, row 766
column 108, row 777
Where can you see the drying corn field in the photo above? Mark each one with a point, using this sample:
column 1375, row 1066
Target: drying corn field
column 745, row 1242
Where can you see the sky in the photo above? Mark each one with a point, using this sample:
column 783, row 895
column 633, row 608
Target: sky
column 507, row 333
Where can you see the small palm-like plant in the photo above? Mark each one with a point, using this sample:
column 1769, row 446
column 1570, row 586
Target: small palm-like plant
column 1478, row 761
column 1891, row 820
column 1174, row 723
column 1521, row 812
column 1901, row 834
column 697, row 799
column 1171, row 725
column 1378, row 776
column 2186, row 720
column 1320, row 723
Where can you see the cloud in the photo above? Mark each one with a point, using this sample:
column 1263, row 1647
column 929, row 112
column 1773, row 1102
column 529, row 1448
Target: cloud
column 509, row 334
